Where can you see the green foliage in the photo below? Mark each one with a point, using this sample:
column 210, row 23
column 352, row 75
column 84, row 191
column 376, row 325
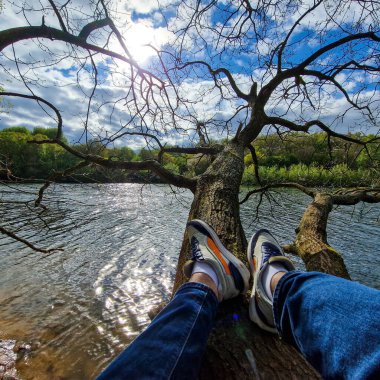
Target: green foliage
column 17, row 130
column 146, row 154
column 51, row 133
column 312, row 175
column 30, row 160
column 299, row 158
column 307, row 149
column 124, row 153
column 308, row 159
column 172, row 167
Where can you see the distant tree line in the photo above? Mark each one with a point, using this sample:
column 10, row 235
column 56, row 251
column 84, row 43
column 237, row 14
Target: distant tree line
column 314, row 160
column 306, row 158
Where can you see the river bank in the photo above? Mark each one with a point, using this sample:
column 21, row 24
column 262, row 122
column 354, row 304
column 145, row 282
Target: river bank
column 338, row 176
column 8, row 360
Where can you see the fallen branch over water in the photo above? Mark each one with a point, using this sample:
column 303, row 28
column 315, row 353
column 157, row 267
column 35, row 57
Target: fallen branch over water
column 26, row 242
column 311, row 235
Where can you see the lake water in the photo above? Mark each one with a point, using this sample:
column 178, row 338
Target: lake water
column 121, row 241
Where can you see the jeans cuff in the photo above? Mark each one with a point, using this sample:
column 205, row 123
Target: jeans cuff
column 202, row 287
column 278, row 301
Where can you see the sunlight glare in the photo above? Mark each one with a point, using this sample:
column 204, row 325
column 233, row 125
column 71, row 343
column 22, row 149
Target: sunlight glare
column 137, row 38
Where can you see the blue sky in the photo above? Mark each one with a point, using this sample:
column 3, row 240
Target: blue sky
column 68, row 82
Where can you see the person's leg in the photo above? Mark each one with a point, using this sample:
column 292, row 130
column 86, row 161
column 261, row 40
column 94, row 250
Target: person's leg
column 334, row 323
column 266, row 261
column 173, row 344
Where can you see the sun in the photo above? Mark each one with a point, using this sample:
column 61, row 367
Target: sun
column 137, row 39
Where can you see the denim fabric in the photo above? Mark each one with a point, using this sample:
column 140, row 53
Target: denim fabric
column 173, row 344
column 333, row 322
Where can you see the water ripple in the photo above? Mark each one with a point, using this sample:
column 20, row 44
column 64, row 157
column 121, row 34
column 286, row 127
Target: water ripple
column 121, row 244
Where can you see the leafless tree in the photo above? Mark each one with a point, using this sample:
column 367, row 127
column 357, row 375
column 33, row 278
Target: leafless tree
column 304, row 65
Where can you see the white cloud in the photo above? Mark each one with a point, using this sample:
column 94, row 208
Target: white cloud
column 146, row 6
column 142, row 6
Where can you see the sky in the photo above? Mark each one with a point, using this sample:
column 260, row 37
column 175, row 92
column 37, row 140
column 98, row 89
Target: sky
column 65, row 76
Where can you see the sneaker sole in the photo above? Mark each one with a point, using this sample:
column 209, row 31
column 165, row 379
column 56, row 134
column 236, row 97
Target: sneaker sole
column 200, row 225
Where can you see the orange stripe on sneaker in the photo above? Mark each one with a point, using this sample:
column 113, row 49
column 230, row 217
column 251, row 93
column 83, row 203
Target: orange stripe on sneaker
column 254, row 263
column 216, row 250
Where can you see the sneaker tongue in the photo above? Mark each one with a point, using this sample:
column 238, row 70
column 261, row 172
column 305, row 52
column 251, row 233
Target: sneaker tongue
column 269, row 249
column 196, row 253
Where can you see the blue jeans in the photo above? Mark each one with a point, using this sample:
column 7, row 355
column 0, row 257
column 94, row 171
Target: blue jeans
column 333, row 322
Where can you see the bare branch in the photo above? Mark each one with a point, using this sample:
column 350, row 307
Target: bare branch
column 13, row 35
column 153, row 165
column 294, row 185
column 255, row 163
column 26, row 242
column 53, row 177
column 356, row 195
column 333, row 45
column 90, row 27
column 216, row 72
column 39, row 99
column 63, row 26
column 282, row 45
column 196, row 150
column 305, row 128
column 331, row 79
column 128, row 133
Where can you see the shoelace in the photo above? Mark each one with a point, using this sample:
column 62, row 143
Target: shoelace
column 196, row 253
column 269, row 250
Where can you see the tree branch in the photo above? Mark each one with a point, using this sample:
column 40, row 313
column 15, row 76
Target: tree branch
column 255, row 163
column 90, row 27
column 220, row 70
column 282, row 45
column 13, row 35
column 53, row 177
column 322, row 76
column 294, row 185
column 297, row 70
column 333, row 45
column 153, row 165
column 196, row 150
column 26, row 242
column 128, row 133
column 356, row 195
column 305, row 128
column 63, row 26
column 39, row 99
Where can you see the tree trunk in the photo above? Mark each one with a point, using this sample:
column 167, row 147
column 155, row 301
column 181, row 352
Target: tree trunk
column 237, row 349
column 311, row 241
column 216, row 202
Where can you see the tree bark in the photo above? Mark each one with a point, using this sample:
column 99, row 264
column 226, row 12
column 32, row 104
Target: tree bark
column 311, row 240
column 216, row 202
column 237, row 349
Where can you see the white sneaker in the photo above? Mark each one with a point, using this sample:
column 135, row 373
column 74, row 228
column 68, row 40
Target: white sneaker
column 263, row 249
column 206, row 247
